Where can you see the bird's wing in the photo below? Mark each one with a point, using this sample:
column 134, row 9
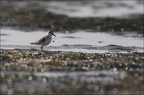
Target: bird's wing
column 41, row 41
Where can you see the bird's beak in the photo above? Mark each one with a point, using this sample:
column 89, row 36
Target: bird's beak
column 53, row 34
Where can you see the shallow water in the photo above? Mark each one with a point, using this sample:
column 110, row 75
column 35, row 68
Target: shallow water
column 94, row 8
column 104, row 8
column 103, row 74
column 79, row 41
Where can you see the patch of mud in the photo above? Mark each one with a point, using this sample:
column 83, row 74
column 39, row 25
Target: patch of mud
column 107, row 48
column 71, row 37
column 3, row 34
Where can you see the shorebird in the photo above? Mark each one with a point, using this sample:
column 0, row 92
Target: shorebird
column 44, row 40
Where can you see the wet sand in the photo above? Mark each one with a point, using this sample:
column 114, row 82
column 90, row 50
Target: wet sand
column 56, row 72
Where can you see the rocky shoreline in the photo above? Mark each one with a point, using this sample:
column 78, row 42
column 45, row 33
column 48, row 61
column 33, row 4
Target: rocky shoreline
column 70, row 61
column 35, row 61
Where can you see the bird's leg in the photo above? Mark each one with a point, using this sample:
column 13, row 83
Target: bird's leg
column 42, row 47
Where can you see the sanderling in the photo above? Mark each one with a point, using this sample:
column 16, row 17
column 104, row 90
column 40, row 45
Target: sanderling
column 44, row 40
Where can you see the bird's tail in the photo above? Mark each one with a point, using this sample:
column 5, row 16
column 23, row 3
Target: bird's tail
column 32, row 43
column 35, row 43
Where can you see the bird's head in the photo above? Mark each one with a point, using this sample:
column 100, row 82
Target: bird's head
column 51, row 32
